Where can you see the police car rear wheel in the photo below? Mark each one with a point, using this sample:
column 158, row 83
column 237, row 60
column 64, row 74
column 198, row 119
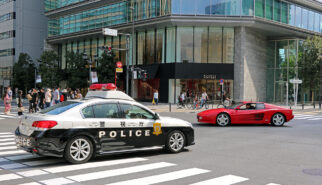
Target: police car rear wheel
column 175, row 142
column 79, row 150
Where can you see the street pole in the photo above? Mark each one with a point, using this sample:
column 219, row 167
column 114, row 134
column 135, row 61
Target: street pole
column 90, row 71
column 35, row 76
column 127, row 63
column 132, row 63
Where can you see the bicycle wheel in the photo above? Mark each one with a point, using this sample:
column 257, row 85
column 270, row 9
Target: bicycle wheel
column 206, row 106
column 220, row 106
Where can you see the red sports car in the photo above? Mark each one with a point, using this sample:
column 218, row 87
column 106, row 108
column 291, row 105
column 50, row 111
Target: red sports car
column 247, row 113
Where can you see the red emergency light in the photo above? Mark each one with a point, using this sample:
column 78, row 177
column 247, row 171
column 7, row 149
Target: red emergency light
column 99, row 87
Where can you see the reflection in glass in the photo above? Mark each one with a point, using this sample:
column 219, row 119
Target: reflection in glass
column 259, row 8
column 187, row 7
column 160, row 46
column 284, row 9
column 248, row 7
column 217, row 7
column 141, row 48
column 185, row 45
column 311, row 21
column 292, row 16
column 228, row 45
column 171, row 40
column 269, row 9
column 215, row 45
column 277, row 10
column 298, row 18
column 316, row 22
column 202, row 6
column 150, row 46
column 200, row 44
column 305, row 14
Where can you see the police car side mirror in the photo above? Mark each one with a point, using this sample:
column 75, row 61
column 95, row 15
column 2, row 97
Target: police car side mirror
column 156, row 116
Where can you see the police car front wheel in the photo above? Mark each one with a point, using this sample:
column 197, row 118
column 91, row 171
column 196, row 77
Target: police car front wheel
column 175, row 142
column 79, row 150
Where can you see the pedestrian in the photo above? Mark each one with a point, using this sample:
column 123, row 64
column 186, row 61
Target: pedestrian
column 29, row 97
column 7, row 102
column 156, row 97
column 65, row 94
column 48, row 98
column 57, row 95
column 35, row 98
column 79, row 94
column 42, row 98
column 9, row 92
column 21, row 109
column 204, row 98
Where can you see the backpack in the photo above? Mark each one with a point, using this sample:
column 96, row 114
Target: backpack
column 61, row 98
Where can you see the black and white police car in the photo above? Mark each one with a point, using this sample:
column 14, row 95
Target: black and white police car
column 104, row 122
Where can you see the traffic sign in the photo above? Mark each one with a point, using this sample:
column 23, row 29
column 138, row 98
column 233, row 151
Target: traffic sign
column 109, row 32
column 221, row 81
column 295, row 81
column 119, row 70
column 119, row 64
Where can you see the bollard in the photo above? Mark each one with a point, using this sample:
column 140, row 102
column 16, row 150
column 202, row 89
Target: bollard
column 319, row 105
column 302, row 106
column 169, row 107
column 313, row 105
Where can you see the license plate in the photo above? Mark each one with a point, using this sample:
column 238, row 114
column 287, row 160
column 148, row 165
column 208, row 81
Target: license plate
column 23, row 141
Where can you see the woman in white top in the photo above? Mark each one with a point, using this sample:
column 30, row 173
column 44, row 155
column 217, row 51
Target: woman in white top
column 48, row 98
column 156, row 97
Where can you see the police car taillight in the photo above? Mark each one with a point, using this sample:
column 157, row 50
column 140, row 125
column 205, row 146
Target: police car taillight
column 44, row 124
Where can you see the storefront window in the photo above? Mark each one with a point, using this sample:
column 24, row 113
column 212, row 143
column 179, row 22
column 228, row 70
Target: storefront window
column 269, row 9
column 171, row 46
column 150, row 47
column 259, row 8
column 185, row 44
column 248, row 8
column 215, row 45
column 147, row 88
column 141, row 48
column 200, row 44
column 160, row 46
column 123, row 58
column 228, row 47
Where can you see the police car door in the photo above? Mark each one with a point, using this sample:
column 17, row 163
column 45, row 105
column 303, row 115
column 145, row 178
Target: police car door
column 140, row 122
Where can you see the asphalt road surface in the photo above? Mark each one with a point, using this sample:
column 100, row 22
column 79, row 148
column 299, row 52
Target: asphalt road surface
column 252, row 155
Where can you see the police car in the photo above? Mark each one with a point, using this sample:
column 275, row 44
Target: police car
column 104, row 122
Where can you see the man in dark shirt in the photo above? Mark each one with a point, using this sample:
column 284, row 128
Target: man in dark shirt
column 41, row 98
column 35, row 99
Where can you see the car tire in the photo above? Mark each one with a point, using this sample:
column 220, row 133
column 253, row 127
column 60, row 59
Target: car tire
column 223, row 119
column 79, row 150
column 175, row 142
column 278, row 120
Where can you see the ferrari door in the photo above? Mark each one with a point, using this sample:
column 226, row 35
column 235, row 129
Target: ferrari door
column 248, row 113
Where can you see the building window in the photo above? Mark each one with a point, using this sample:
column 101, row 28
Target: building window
column 160, row 46
column 248, row 8
column 277, row 10
column 298, row 18
column 228, row 45
column 284, row 14
column 184, row 45
column 202, row 6
column 259, row 8
column 269, row 9
column 7, row 52
column 7, row 17
column 7, row 34
column 317, row 22
column 200, row 44
column 171, row 45
column 291, row 16
column 305, row 20
column 141, row 48
column 215, row 45
column 311, row 21
column 150, row 47
column 3, row 2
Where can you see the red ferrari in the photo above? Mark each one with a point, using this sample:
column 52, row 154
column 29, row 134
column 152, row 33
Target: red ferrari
column 247, row 113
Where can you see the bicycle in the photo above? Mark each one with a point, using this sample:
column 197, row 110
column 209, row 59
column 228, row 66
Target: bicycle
column 227, row 103
column 198, row 105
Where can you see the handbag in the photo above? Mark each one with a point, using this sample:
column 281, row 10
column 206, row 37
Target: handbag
column 21, row 109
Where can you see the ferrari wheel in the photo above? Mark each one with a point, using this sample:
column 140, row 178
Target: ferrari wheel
column 223, row 119
column 278, row 120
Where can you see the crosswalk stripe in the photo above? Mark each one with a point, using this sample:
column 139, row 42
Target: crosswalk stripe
column 121, row 171
column 10, row 176
column 6, row 116
column 2, row 118
column 21, row 157
column 30, row 183
column 43, row 162
column 4, row 136
column 32, row 173
column 301, row 118
column 224, row 180
column 272, row 184
column 163, row 177
column 7, row 139
column 7, row 143
column 5, row 133
column 3, row 160
column 12, row 152
column 315, row 119
column 12, row 166
column 92, row 165
column 8, row 147
column 57, row 181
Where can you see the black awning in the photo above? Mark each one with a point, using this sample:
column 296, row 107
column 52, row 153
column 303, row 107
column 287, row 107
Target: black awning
column 152, row 71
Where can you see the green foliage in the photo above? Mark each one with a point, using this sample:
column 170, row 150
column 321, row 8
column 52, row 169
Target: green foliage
column 23, row 73
column 106, row 69
column 49, row 69
column 309, row 62
column 76, row 73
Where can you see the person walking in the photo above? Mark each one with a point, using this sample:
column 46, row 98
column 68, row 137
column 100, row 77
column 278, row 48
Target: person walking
column 42, row 98
column 35, row 98
column 48, row 98
column 204, row 98
column 20, row 105
column 29, row 97
column 57, row 96
column 156, row 97
column 7, row 102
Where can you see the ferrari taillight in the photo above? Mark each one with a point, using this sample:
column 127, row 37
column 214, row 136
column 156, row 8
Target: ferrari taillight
column 44, row 124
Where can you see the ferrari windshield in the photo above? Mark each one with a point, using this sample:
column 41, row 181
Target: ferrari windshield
column 233, row 106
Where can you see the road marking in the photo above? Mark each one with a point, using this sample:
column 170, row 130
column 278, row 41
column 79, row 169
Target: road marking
column 92, row 165
column 121, row 171
column 3, row 160
column 7, row 143
column 7, row 116
column 12, row 166
column 20, row 157
column 163, row 177
column 43, row 162
column 7, row 139
column 5, row 133
column 57, row 181
column 31, row 183
column 224, row 180
column 32, row 173
column 315, row 119
column 9, row 176
column 8, row 147
column 4, row 136
column 272, row 184
column 12, row 152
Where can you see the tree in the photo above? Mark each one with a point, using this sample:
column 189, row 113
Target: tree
column 76, row 73
column 310, row 63
column 106, row 69
column 24, row 73
column 49, row 69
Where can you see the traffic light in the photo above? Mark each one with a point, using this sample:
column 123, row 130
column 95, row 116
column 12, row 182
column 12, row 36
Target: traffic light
column 109, row 51
column 145, row 75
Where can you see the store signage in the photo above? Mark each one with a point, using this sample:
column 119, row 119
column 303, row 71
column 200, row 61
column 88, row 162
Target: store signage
column 205, row 76
column 119, row 70
column 295, row 81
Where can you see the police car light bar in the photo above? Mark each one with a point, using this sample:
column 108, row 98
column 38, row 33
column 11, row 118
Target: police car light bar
column 100, row 87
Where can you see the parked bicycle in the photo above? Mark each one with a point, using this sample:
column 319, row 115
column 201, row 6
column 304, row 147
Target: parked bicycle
column 227, row 103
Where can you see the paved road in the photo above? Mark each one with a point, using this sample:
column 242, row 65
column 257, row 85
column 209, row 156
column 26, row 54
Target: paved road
column 252, row 155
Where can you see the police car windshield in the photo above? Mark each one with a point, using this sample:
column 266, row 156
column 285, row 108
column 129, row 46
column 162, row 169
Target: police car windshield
column 60, row 108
